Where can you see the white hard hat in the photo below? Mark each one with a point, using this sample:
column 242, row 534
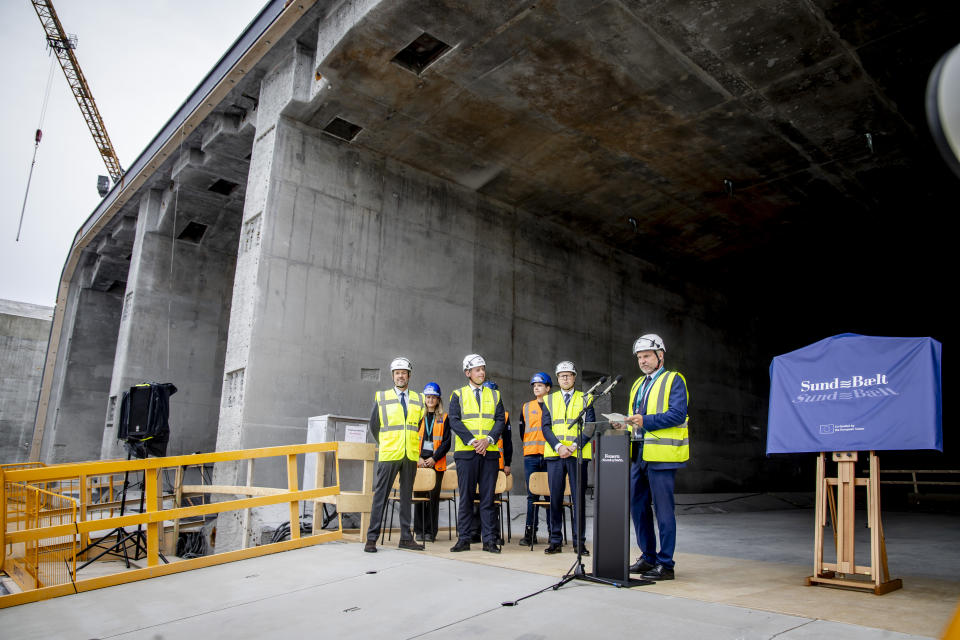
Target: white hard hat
column 473, row 360
column 566, row 365
column 401, row 363
column 649, row 342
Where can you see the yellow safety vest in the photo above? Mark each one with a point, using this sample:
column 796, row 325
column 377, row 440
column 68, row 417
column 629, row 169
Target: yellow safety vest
column 399, row 436
column 563, row 422
column 663, row 445
column 479, row 420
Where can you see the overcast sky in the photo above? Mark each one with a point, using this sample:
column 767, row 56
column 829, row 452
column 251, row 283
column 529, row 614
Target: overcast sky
column 141, row 60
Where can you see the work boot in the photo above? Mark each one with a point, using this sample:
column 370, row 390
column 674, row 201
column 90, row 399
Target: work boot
column 528, row 533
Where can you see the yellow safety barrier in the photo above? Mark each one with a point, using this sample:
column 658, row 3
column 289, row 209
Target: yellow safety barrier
column 52, row 512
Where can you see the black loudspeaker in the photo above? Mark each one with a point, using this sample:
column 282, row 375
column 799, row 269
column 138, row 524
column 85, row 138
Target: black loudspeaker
column 138, row 421
column 144, row 413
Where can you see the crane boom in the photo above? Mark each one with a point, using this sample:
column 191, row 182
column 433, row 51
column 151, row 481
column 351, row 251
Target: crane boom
column 62, row 46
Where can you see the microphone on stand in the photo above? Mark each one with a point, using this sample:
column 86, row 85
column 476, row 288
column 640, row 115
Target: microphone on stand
column 615, row 382
column 594, row 387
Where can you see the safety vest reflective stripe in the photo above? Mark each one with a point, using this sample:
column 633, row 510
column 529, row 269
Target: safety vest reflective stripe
column 563, row 422
column 398, row 433
column 671, row 444
column 533, row 440
column 438, row 426
column 478, row 420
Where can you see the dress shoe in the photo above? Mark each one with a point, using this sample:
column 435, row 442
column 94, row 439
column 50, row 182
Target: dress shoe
column 584, row 551
column 529, row 537
column 371, row 546
column 554, row 547
column 490, row 547
column 412, row 545
column 462, row 545
column 430, row 537
column 659, row 572
column 641, row 566
column 500, row 541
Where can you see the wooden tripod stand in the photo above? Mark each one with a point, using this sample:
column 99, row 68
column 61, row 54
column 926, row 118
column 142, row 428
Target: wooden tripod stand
column 845, row 572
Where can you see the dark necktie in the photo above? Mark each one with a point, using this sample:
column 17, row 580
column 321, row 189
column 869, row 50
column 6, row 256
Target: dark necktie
column 566, row 399
column 403, row 403
column 644, row 390
column 476, row 392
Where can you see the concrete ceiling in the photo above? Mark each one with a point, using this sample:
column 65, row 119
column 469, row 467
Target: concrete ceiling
column 731, row 131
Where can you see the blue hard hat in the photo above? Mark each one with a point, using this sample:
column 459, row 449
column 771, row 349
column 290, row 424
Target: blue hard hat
column 542, row 376
column 432, row 389
column 490, row 384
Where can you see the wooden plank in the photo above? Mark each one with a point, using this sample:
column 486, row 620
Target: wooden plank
column 819, row 518
column 349, row 501
column 238, row 490
column 356, row 451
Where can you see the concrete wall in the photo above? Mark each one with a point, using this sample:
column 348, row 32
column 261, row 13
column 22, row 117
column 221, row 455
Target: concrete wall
column 81, row 382
column 24, row 332
column 173, row 327
column 361, row 258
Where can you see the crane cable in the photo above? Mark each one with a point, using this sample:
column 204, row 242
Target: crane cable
column 36, row 142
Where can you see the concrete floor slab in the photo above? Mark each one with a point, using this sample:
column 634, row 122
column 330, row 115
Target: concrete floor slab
column 336, row 590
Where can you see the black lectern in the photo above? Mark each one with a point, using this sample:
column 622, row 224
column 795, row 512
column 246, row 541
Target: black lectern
column 611, row 520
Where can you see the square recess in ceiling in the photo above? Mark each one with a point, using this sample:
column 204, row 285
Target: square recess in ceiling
column 343, row 129
column 223, row 187
column 421, row 53
column 193, row 232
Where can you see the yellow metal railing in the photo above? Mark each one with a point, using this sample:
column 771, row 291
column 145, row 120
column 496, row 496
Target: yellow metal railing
column 52, row 513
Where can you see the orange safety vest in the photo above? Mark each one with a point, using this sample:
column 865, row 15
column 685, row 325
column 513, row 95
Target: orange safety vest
column 440, row 465
column 533, row 439
column 506, row 419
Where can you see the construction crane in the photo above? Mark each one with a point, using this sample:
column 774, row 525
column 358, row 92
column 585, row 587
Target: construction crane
column 63, row 45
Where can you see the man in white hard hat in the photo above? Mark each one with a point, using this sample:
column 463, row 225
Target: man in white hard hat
column 476, row 416
column 658, row 416
column 395, row 425
column 566, row 455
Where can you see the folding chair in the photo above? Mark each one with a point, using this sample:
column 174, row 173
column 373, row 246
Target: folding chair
column 540, row 486
column 448, row 494
column 424, row 481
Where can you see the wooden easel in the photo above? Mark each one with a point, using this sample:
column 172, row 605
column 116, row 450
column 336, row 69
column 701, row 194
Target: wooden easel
column 844, row 572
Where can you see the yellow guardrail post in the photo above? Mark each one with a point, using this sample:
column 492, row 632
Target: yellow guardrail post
column 153, row 528
column 294, row 505
column 3, row 520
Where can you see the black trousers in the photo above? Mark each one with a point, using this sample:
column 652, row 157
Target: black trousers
column 472, row 471
column 386, row 471
column 558, row 469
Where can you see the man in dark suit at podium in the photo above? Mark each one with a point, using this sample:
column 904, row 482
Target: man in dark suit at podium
column 658, row 416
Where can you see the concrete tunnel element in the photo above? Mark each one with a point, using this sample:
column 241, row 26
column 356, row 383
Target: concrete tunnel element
column 530, row 181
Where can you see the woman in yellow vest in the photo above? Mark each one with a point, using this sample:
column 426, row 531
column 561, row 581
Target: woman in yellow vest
column 434, row 445
column 531, row 433
column 658, row 415
column 395, row 424
column 566, row 455
column 476, row 417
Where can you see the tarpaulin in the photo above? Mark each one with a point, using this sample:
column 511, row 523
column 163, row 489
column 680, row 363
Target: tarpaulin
column 856, row 393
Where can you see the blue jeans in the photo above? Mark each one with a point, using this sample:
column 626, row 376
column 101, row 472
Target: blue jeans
column 533, row 464
column 651, row 492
